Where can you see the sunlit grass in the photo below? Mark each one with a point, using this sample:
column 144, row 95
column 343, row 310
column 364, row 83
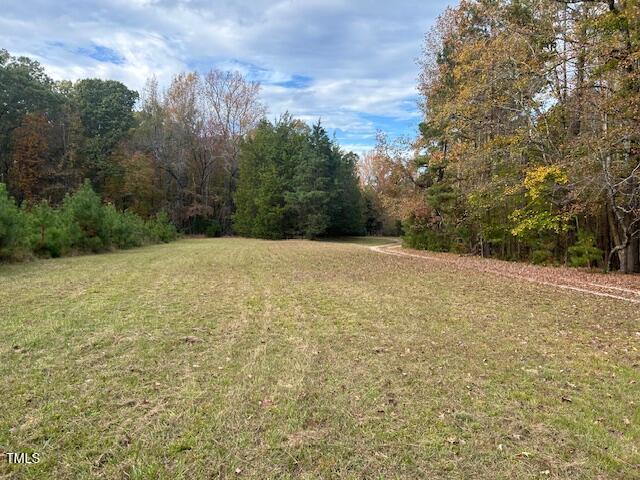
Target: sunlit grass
column 256, row 359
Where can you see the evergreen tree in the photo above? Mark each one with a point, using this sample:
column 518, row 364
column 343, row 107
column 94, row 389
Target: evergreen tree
column 294, row 181
column 311, row 196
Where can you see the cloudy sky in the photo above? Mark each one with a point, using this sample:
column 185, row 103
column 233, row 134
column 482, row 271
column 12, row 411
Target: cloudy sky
column 349, row 62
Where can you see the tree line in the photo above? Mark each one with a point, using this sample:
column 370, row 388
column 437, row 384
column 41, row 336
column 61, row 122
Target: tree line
column 199, row 154
column 82, row 223
column 529, row 148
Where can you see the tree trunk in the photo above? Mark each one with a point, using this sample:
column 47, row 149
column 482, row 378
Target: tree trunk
column 622, row 258
column 629, row 256
column 633, row 256
column 619, row 243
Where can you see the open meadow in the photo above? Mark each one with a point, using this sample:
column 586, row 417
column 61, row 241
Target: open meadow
column 237, row 358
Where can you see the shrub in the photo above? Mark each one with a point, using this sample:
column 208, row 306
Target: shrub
column 12, row 226
column 82, row 224
column 584, row 253
column 161, row 230
column 541, row 256
column 87, row 217
column 49, row 232
column 426, row 239
column 124, row 230
column 214, row 229
column 198, row 224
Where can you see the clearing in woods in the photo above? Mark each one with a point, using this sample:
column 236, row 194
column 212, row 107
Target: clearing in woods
column 257, row 359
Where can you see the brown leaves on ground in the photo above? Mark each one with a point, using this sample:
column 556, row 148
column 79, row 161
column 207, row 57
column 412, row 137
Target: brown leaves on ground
column 613, row 285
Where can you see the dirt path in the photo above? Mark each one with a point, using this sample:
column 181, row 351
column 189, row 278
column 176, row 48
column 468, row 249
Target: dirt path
column 617, row 286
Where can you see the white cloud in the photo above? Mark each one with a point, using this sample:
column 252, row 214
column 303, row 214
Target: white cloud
column 357, row 57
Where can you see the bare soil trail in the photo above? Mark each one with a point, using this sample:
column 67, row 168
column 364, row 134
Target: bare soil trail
column 612, row 285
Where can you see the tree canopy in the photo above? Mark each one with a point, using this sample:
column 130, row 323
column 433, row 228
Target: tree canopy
column 199, row 152
column 530, row 142
column 295, row 181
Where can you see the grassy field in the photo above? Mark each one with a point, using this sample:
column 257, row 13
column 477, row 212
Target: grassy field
column 254, row 359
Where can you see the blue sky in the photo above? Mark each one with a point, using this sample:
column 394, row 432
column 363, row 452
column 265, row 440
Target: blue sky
column 350, row 63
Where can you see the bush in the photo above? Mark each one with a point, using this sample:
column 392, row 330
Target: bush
column 124, row 230
column 82, row 224
column 426, row 239
column 584, row 253
column 12, row 226
column 87, row 217
column 161, row 230
column 541, row 256
column 49, row 233
column 198, row 224
column 214, row 229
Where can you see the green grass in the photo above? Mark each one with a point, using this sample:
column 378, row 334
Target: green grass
column 255, row 359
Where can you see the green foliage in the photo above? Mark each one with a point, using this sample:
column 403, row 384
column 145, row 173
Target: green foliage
column 346, row 210
column 214, row 229
column 529, row 222
column 12, row 226
column 511, row 152
column 89, row 228
column 83, row 224
column 26, row 87
column 460, row 239
column 584, row 253
column 372, row 212
column 200, row 225
column 541, row 256
column 296, row 182
column 266, row 170
column 48, row 231
column 441, row 196
column 311, row 195
column 424, row 237
column 106, row 112
column 123, row 230
column 541, row 251
column 161, row 229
